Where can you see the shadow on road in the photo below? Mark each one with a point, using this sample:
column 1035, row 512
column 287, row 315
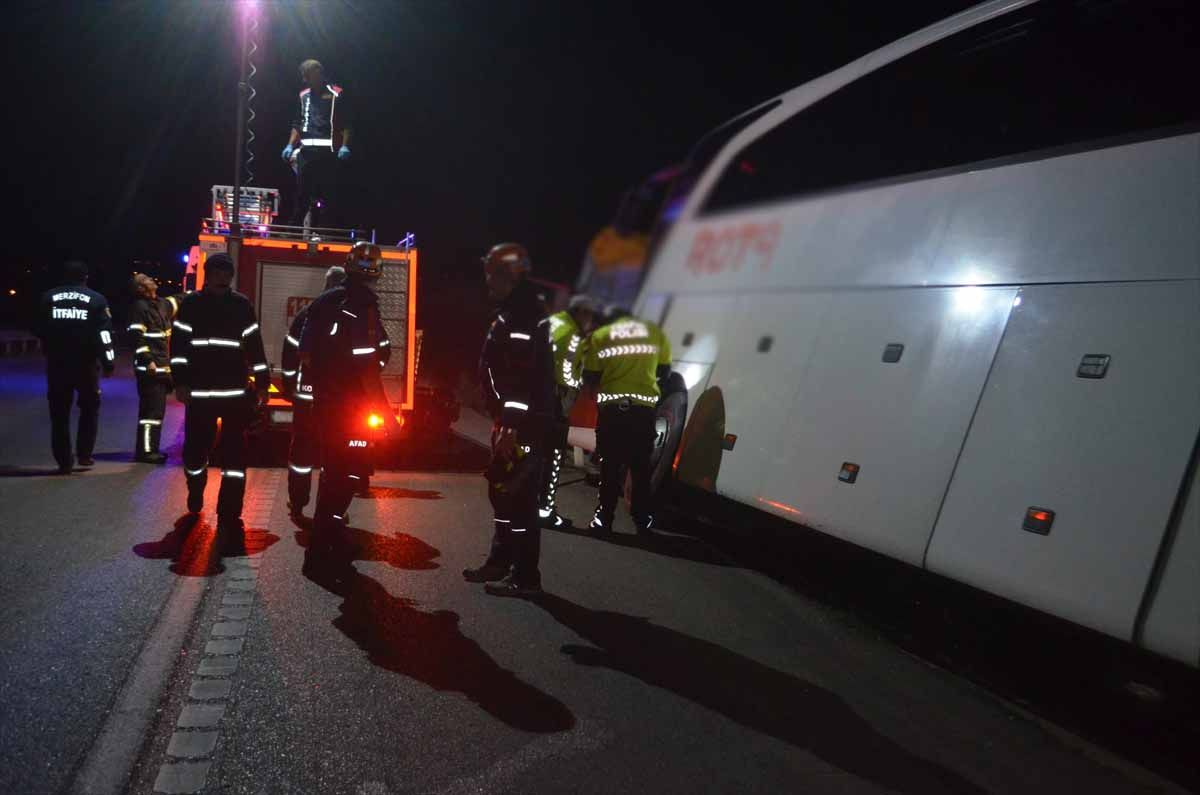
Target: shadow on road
column 669, row 545
column 393, row 493
column 427, row 646
column 400, row 550
column 752, row 694
column 194, row 550
column 28, row 472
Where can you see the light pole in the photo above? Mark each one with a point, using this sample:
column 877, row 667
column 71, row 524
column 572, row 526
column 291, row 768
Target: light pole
column 245, row 9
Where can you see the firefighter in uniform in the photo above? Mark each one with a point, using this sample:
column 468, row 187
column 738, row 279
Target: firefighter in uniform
column 567, row 330
column 343, row 349
column 321, row 113
column 516, row 371
column 75, row 326
column 625, row 361
column 216, row 350
column 302, row 456
column 150, row 329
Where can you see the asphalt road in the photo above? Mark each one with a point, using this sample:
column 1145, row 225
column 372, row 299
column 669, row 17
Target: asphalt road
column 659, row 666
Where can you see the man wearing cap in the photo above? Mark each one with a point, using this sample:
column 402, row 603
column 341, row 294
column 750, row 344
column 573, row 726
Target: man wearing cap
column 150, row 330
column 516, row 372
column 220, row 372
column 75, row 327
column 320, row 137
column 567, row 330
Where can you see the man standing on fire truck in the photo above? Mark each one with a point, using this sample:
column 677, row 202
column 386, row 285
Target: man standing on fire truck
column 516, row 370
column 216, row 349
column 150, row 328
column 302, row 456
column 567, row 330
column 322, row 113
column 343, row 349
column 75, row 327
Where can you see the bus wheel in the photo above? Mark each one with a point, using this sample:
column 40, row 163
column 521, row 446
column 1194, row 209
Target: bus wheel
column 670, row 417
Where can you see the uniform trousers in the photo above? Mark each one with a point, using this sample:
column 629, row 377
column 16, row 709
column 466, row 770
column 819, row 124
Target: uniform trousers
column 73, row 381
column 199, row 433
column 302, row 457
column 152, row 407
column 625, row 440
column 513, row 486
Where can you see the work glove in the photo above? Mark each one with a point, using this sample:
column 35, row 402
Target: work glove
column 287, row 153
column 344, row 153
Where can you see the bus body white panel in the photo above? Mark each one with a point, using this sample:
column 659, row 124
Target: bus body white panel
column 1172, row 625
column 1124, row 213
column 705, row 318
column 1105, row 455
column 760, row 387
column 902, row 423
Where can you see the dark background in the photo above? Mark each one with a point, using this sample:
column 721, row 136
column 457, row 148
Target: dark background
column 478, row 121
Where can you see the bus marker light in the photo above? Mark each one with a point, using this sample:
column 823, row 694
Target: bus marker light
column 1038, row 520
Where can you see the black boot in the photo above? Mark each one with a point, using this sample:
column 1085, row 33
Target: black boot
column 196, row 481
column 512, row 585
column 490, row 571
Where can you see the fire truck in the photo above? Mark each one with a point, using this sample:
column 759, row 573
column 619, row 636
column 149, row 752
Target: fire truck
column 281, row 269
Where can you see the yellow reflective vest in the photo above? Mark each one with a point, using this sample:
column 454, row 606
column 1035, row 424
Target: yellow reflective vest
column 627, row 354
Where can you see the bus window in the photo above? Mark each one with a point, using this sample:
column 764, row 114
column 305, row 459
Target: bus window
column 1053, row 74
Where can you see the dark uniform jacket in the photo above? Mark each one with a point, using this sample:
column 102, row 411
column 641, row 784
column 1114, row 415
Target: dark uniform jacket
column 216, row 346
column 516, row 367
column 290, row 359
column 348, row 345
column 150, row 330
column 321, row 115
column 75, row 326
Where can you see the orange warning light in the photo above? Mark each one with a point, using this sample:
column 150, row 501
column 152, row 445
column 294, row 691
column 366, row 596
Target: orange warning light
column 375, row 421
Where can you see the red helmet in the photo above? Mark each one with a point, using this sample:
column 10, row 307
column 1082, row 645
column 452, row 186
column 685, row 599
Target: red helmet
column 364, row 260
column 510, row 256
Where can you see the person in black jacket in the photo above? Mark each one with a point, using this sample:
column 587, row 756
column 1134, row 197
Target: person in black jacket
column 516, row 370
column 341, row 349
column 216, row 349
column 319, row 140
column 302, row 456
column 150, row 329
column 75, row 326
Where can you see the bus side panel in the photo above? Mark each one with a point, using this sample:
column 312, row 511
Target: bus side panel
column 765, row 349
column 1173, row 623
column 902, row 423
column 696, row 326
column 1106, row 455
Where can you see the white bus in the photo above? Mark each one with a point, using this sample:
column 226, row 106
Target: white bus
column 944, row 303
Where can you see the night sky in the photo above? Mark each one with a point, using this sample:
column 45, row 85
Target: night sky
column 477, row 121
